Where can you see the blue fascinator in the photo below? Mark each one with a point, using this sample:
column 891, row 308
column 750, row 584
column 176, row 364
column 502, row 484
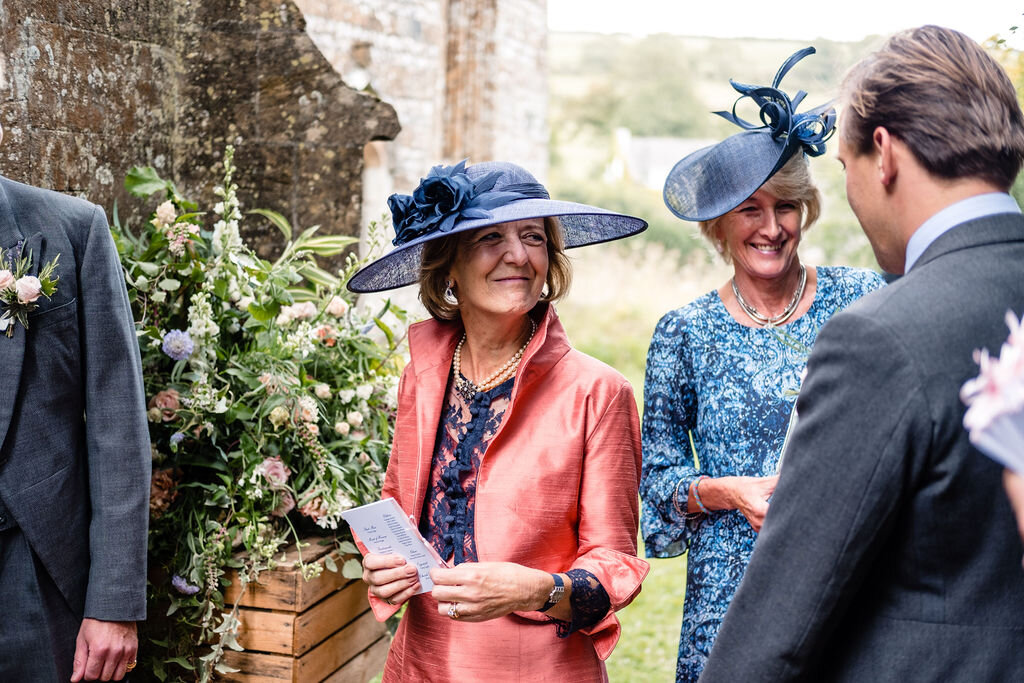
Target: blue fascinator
column 716, row 179
column 454, row 199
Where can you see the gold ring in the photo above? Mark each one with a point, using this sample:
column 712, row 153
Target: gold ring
column 453, row 610
column 130, row 665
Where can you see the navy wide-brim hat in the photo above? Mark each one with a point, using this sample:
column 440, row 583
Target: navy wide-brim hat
column 454, row 199
column 715, row 180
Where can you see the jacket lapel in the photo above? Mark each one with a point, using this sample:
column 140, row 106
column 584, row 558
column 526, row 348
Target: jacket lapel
column 438, row 344
column 12, row 349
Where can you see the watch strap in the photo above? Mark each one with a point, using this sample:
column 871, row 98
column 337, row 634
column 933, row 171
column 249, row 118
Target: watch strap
column 556, row 594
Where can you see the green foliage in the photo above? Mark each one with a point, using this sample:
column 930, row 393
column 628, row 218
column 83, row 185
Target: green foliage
column 271, row 400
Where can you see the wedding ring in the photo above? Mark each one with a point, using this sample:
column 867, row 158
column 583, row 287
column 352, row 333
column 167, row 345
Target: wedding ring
column 453, row 610
column 130, row 665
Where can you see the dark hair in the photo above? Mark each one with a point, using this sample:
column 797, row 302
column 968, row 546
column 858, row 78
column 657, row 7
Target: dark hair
column 938, row 92
column 439, row 256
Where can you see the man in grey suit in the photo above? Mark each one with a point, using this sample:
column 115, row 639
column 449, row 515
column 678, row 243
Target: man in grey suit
column 74, row 451
column 889, row 552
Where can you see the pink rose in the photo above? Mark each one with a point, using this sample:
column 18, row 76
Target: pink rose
column 28, row 288
column 6, row 279
column 275, row 471
column 286, row 505
column 166, row 402
column 337, row 306
column 314, row 509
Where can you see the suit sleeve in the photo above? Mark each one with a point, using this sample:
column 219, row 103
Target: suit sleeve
column 609, row 511
column 850, row 460
column 117, row 436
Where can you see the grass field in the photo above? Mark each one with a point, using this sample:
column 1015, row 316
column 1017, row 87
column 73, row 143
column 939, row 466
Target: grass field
column 650, row 627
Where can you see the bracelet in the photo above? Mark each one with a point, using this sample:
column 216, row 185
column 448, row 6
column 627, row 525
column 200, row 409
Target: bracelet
column 696, row 493
column 675, row 501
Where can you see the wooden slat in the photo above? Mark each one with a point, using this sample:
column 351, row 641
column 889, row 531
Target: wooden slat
column 326, row 658
column 267, row 631
column 283, row 587
column 258, row 667
column 330, row 614
column 364, row 666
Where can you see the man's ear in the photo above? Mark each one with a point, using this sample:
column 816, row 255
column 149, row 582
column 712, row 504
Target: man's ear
column 887, row 163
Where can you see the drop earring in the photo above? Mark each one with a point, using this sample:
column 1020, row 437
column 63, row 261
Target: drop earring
column 449, row 295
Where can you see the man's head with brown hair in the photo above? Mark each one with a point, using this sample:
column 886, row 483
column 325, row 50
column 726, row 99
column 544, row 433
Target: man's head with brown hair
column 949, row 102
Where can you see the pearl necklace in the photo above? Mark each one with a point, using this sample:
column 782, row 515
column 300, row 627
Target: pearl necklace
column 468, row 388
column 764, row 320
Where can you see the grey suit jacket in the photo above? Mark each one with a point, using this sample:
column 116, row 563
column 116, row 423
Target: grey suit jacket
column 889, row 552
column 74, row 444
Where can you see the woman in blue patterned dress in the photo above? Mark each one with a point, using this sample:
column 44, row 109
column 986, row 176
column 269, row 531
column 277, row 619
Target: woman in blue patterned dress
column 723, row 371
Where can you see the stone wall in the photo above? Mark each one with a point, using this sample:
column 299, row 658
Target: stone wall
column 467, row 77
column 89, row 88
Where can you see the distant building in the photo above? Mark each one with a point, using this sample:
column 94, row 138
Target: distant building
column 647, row 160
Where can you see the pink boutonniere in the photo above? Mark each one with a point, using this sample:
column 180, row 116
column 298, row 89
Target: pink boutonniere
column 20, row 291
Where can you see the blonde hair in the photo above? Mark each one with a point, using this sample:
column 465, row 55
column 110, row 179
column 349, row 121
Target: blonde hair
column 439, row 256
column 792, row 182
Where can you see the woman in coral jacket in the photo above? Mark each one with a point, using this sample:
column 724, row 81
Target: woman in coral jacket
column 517, row 456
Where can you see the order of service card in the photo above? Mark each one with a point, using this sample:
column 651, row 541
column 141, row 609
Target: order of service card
column 383, row 527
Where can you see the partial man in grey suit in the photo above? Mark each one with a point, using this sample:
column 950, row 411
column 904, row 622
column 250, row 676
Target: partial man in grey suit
column 889, row 552
column 74, row 451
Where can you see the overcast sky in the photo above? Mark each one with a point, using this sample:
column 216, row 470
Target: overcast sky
column 849, row 20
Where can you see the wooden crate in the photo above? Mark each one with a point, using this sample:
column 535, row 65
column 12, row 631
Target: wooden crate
column 306, row 631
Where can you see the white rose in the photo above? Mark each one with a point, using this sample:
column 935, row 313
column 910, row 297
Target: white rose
column 165, row 213
column 364, row 391
column 304, row 310
column 346, row 395
column 342, row 428
column 6, row 279
column 354, row 418
column 322, row 391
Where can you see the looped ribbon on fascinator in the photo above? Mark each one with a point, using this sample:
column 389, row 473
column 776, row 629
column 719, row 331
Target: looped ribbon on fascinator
column 448, row 195
column 811, row 128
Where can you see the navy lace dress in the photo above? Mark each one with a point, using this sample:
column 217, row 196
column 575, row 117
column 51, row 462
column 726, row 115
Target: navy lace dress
column 731, row 389
column 466, row 428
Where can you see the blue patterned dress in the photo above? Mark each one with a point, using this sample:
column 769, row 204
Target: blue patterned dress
column 732, row 389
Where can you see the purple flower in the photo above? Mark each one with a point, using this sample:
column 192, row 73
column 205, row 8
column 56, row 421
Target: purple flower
column 177, row 437
column 183, row 586
column 178, row 345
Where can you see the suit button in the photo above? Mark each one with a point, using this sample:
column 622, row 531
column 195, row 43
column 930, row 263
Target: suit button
column 3, row 519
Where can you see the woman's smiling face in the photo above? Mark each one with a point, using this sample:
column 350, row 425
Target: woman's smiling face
column 762, row 235
column 501, row 269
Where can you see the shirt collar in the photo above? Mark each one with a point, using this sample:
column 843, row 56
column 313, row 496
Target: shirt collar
column 952, row 216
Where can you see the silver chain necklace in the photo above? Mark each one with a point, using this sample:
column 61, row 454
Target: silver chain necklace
column 773, row 321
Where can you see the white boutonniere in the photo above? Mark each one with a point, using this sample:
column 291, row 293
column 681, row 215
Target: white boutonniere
column 20, row 291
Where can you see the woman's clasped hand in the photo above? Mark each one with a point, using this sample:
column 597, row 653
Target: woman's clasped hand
column 390, row 577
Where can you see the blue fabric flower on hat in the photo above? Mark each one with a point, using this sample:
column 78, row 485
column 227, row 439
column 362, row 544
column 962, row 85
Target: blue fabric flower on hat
column 810, row 129
column 446, row 196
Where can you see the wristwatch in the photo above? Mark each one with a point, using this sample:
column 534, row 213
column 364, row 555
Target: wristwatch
column 556, row 594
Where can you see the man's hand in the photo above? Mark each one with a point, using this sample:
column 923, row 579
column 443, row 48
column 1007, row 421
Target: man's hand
column 104, row 649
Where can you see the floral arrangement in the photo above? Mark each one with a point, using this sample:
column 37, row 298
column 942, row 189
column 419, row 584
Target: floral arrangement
column 995, row 400
column 271, row 400
column 19, row 291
